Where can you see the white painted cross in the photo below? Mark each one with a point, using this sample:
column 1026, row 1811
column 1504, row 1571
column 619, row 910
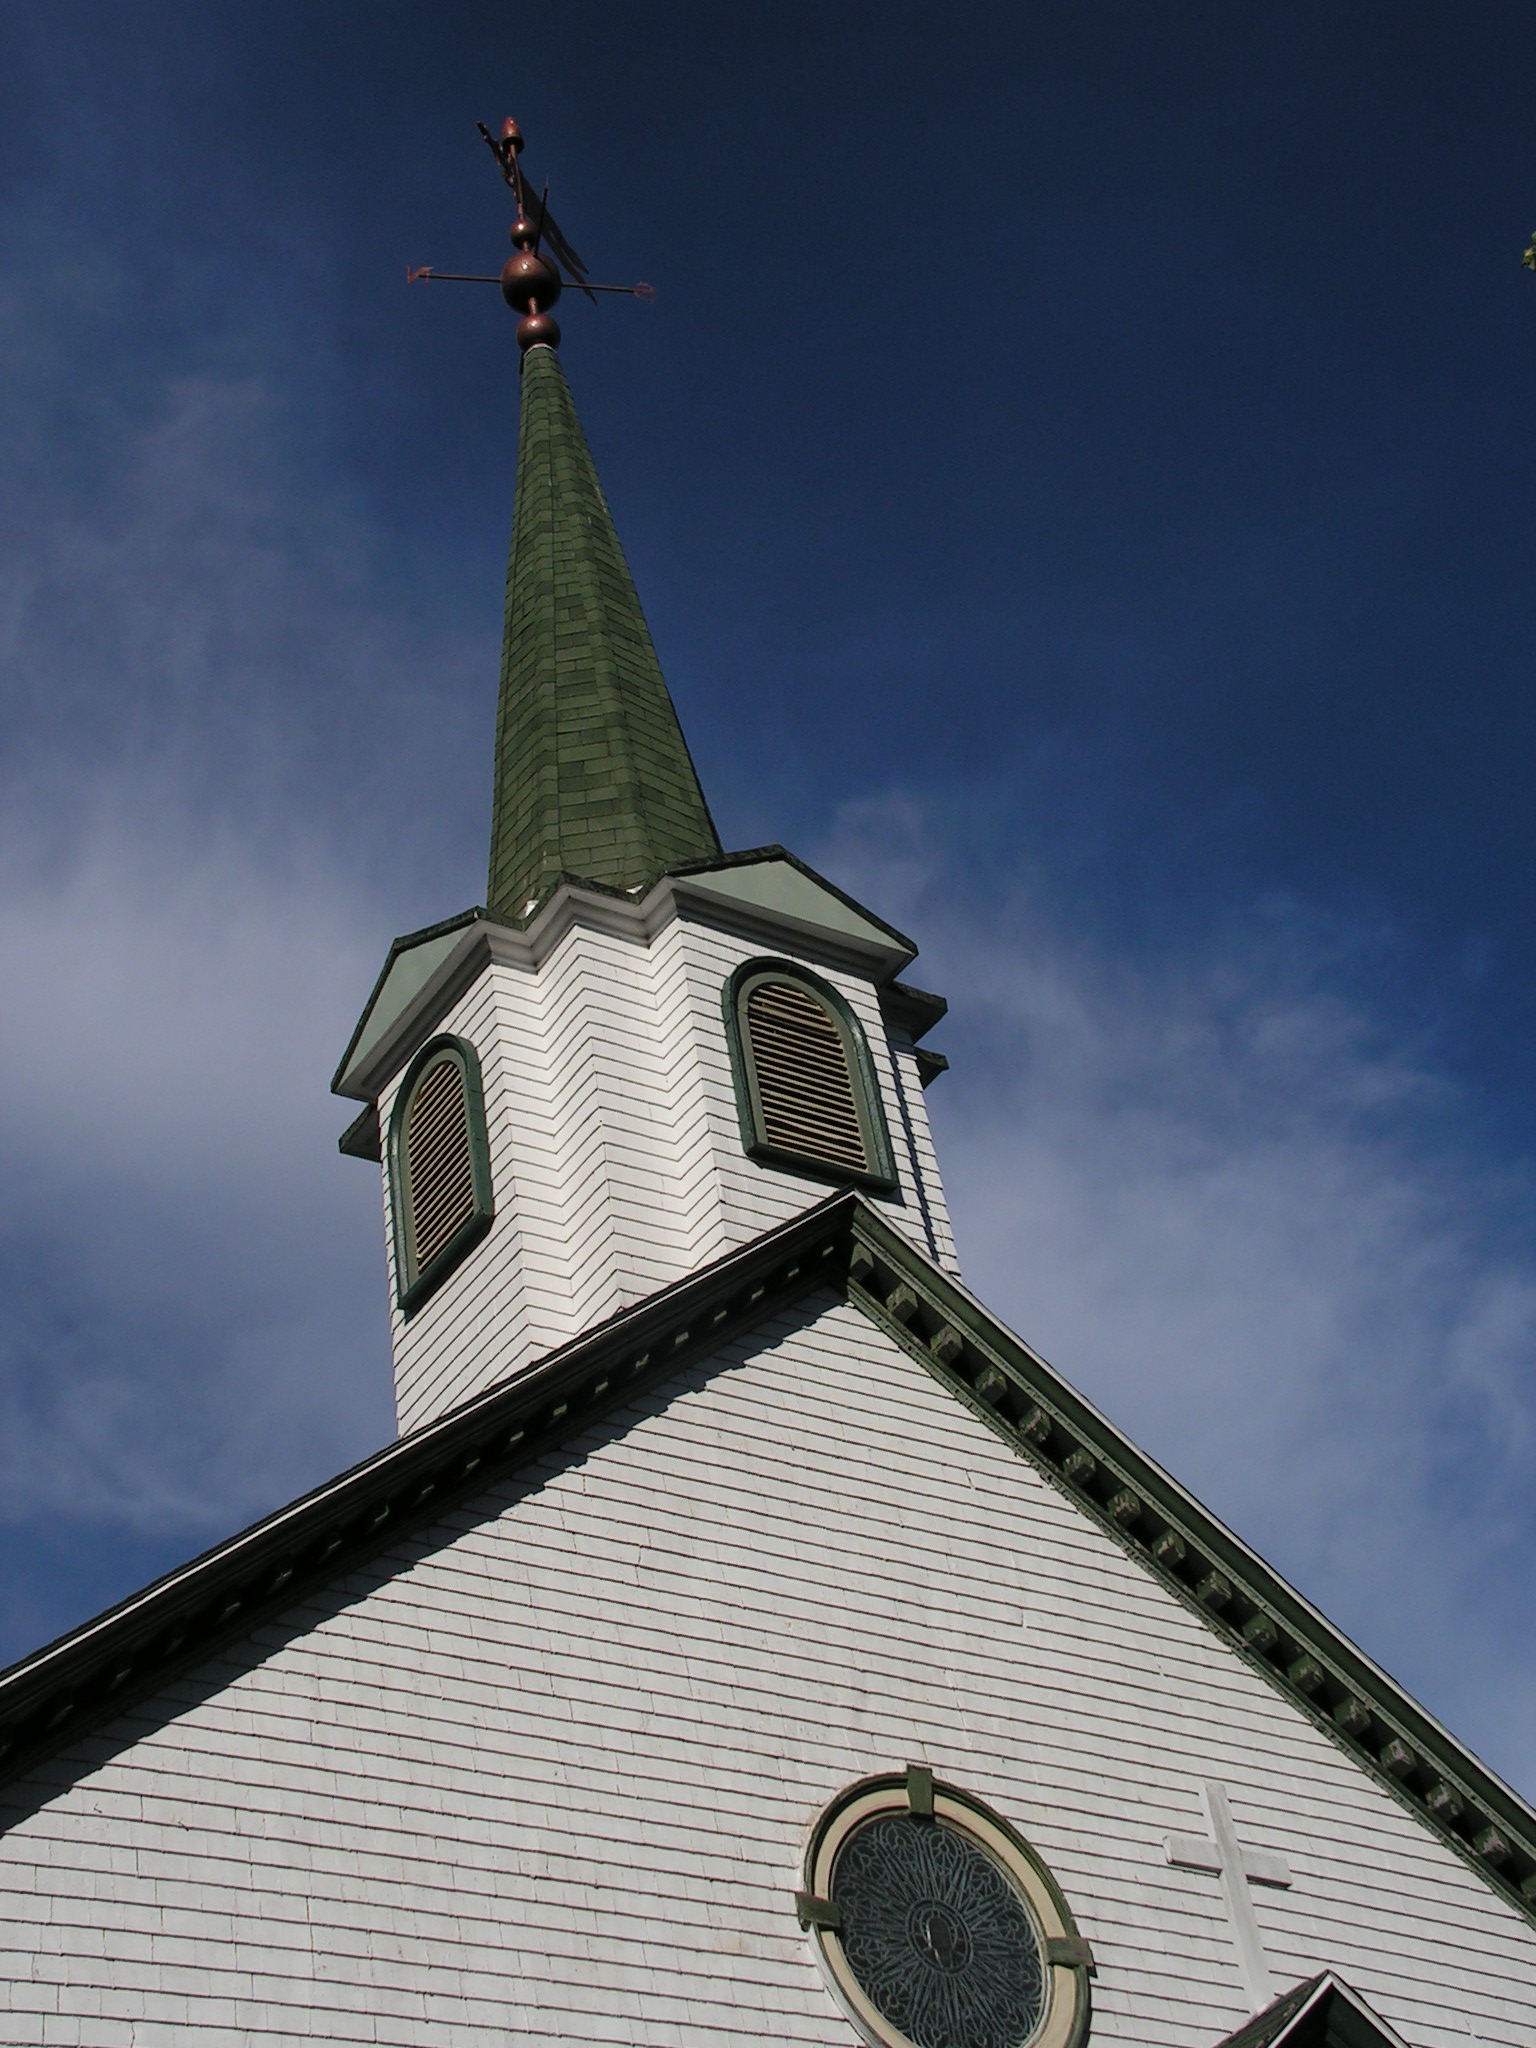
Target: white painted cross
column 1237, row 1867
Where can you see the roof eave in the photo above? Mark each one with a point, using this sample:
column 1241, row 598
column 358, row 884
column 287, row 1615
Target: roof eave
column 1240, row 1597
column 406, row 943
column 135, row 1647
column 91, row 1673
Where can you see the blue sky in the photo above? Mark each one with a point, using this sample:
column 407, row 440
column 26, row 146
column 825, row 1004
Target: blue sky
column 1077, row 471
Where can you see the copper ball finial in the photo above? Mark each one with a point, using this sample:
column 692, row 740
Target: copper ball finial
column 536, row 330
column 529, row 283
column 522, row 234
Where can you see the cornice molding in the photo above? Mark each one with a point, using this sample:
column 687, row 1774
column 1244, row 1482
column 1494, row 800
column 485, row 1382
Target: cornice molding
column 1236, row 1594
column 634, row 918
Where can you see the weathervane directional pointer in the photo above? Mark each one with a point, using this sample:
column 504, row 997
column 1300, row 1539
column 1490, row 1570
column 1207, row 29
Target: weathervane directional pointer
column 530, row 280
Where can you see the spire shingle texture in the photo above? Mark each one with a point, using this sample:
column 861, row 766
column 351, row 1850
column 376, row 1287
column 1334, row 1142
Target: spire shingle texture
column 593, row 775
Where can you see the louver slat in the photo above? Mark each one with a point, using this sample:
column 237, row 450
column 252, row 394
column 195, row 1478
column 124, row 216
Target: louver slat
column 439, row 1167
column 803, row 1082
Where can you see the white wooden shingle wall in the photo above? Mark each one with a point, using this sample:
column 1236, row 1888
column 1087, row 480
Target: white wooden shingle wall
column 616, row 1154
column 547, row 1776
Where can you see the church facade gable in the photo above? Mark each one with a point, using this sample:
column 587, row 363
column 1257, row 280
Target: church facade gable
column 549, row 1765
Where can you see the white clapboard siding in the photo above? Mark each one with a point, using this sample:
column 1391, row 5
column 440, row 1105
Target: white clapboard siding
column 616, row 1156
column 545, row 1773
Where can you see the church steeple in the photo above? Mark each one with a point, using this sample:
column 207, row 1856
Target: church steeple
column 641, row 1051
column 593, row 776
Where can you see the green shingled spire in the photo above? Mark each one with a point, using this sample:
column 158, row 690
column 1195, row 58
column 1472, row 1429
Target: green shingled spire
column 593, row 775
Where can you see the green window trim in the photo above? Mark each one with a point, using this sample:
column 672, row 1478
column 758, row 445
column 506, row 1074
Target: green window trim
column 412, row 1284
column 880, row 1175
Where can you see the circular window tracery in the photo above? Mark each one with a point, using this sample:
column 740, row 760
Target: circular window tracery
column 937, row 1926
column 936, row 1936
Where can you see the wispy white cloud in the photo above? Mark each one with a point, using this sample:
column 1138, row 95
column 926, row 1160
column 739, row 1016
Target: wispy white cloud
column 1234, row 1206
column 206, row 839
column 194, row 1314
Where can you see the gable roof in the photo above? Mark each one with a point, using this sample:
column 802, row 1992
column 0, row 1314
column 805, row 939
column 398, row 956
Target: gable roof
column 1322, row 2012
column 843, row 1242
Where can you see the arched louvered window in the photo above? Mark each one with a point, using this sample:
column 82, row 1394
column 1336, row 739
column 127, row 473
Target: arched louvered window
column 440, row 1177
column 805, row 1084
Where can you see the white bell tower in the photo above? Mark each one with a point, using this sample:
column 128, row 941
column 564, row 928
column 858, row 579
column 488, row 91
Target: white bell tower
column 644, row 1052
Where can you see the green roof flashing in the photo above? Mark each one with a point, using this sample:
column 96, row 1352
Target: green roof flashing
column 593, row 775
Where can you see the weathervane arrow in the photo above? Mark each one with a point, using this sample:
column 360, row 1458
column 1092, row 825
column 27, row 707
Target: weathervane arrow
column 530, row 279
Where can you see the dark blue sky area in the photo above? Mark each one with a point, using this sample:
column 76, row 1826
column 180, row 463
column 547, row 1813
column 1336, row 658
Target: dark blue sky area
column 1136, row 397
